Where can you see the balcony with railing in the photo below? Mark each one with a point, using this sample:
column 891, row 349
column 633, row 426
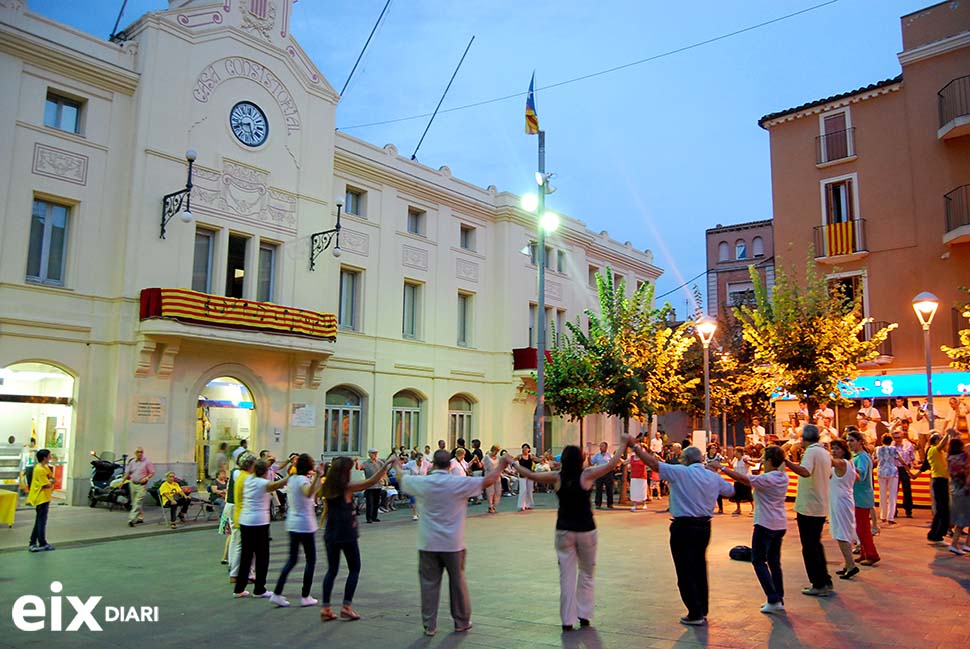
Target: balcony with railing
column 885, row 349
column 527, row 359
column 956, row 206
column 837, row 146
column 954, row 106
column 837, row 243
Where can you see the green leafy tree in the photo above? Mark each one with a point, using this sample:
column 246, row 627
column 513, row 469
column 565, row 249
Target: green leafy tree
column 571, row 383
column 960, row 356
column 807, row 336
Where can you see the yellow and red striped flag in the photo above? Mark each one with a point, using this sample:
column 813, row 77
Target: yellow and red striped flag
column 531, row 117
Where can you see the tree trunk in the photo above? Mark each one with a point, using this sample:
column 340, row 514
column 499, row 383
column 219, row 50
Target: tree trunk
column 582, row 442
column 625, row 480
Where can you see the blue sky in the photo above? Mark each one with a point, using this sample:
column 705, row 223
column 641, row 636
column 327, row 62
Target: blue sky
column 655, row 153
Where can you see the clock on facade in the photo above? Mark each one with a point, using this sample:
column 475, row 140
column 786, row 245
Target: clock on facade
column 248, row 123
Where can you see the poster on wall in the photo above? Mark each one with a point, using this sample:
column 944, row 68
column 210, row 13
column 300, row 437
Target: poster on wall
column 149, row 410
column 303, row 415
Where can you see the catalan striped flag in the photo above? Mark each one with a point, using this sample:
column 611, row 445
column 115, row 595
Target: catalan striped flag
column 841, row 238
column 531, row 117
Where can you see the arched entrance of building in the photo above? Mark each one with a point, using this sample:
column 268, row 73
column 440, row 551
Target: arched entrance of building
column 226, row 412
column 37, row 411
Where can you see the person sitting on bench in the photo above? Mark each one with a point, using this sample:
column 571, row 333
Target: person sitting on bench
column 173, row 497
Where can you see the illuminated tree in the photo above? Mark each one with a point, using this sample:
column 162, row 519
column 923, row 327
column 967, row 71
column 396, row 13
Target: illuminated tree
column 960, row 356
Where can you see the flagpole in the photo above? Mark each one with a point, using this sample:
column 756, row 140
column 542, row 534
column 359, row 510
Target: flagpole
column 539, row 420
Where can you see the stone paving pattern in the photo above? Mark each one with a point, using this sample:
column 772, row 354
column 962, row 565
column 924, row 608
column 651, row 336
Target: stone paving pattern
column 916, row 597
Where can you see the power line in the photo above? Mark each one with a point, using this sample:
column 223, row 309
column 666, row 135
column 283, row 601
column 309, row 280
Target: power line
column 674, row 290
column 602, row 72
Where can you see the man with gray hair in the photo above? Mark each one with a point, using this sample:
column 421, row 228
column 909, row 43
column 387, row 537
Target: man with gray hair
column 693, row 494
column 138, row 471
column 811, row 508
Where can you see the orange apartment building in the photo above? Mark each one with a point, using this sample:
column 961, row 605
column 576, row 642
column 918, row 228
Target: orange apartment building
column 878, row 180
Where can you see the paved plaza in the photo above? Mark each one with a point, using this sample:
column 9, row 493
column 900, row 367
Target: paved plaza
column 916, row 597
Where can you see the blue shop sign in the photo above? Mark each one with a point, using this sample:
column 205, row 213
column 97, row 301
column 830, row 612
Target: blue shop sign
column 945, row 384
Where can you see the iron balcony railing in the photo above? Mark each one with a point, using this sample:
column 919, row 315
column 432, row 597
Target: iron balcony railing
column 870, row 328
column 835, row 146
column 954, row 100
column 843, row 238
column 957, row 207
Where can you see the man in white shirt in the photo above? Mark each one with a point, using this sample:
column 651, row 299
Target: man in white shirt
column 243, row 444
column 900, row 412
column 823, row 411
column 869, row 411
column 827, row 432
column 657, row 444
column 811, row 508
column 757, row 431
column 441, row 535
column 866, row 428
column 606, row 482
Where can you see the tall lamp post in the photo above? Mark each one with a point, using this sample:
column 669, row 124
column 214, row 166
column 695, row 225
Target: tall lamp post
column 925, row 305
column 705, row 326
column 548, row 223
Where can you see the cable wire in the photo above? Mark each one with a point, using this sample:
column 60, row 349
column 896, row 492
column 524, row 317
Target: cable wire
column 601, row 72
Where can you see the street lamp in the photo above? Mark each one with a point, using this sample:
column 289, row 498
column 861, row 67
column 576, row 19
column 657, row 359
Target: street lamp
column 320, row 241
column 172, row 203
column 705, row 326
column 925, row 305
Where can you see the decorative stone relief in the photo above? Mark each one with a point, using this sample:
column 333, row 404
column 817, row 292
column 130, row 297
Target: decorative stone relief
column 243, row 194
column 235, row 67
column 300, row 371
column 260, row 19
column 143, row 364
column 200, row 18
column 166, row 362
column 414, row 258
column 553, row 290
column 307, row 67
column 15, row 5
column 58, row 163
column 465, row 269
column 315, row 377
column 353, row 241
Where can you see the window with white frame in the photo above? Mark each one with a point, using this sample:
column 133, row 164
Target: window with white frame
column 405, row 419
column 62, row 113
column 342, row 422
column 533, row 253
column 354, row 202
column 459, row 419
column 740, row 249
column 561, row 261
column 466, row 237
column 740, row 294
column 202, row 260
column 348, row 313
column 464, row 318
column 533, row 317
column 236, row 265
column 416, row 221
column 550, row 257
column 839, row 200
column 835, row 137
column 560, row 324
column 851, row 287
column 411, row 319
column 47, row 246
column 758, row 247
column 723, row 252
column 266, row 280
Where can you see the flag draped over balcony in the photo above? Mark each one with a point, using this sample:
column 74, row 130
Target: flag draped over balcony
column 840, row 238
column 531, row 117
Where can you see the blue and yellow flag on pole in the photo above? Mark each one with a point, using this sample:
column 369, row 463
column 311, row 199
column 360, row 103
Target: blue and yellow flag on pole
column 531, row 117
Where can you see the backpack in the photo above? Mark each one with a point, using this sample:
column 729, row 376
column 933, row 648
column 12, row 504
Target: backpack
column 740, row 553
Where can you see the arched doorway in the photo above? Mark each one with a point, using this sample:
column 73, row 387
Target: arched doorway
column 225, row 412
column 37, row 411
column 342, row 423
column 405, row 420
column 459, row 419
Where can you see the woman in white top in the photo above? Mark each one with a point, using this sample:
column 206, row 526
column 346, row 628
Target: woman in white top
column 301, row 523
column 887, row 463
column 742, row 491
column 842, row 523
column 458, row 464
column 254, row 528
column 494, row 492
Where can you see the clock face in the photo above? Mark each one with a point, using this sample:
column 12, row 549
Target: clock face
column 248, row 123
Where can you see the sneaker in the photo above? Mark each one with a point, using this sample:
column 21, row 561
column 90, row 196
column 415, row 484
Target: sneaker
column 696, row 621
column 308, row 601
column 241, row 595
column 633, row 509
column 266, row 595
column 414, row 518
column 429, row 631
column 46, row 548
column 462, row 629
column 955, row 550
column 768, row 608
column 816, row 592
column 965, row 548
column 33, row 548
column 279, row 600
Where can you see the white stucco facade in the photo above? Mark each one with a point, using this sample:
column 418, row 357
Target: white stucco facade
column 139, row 106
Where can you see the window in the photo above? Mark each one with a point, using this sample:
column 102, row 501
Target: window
column 852, row 288
column 348, row 312
column 533, row 317
column 640, row 284
column 836, row 140
column 416, row 221
column 758, row 247
column 459, row 419
column 740, row 249
column 561, row 261
column 405, row 420
column 354, row 202
column 617, row 280
column 839, row 206
column 560, row 324
column 533, row 253
column 62, row 113
column 550, row 257
column 723, row 252
column 236, row 266
column 202, row 261
column 341, row 422
column 464, row 318
column 411, row 319
column 466, row 237
column 266, row 281
column 47, row 247
column 591, row 275
column 740, row 294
